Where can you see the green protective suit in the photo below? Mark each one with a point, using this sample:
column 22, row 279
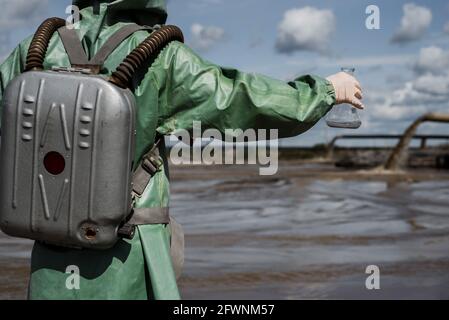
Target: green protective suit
column 179, row 88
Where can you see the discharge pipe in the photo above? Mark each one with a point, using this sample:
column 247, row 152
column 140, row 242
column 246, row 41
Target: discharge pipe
column 398, row 154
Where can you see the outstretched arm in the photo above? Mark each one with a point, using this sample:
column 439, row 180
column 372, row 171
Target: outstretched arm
column 224, row 98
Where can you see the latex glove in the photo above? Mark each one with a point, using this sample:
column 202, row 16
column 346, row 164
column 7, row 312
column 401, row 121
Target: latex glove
column 347, row 89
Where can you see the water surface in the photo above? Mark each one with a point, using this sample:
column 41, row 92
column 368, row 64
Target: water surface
column 308, row 232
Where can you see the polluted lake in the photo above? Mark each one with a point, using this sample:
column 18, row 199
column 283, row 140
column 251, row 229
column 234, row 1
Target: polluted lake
column 309, row 232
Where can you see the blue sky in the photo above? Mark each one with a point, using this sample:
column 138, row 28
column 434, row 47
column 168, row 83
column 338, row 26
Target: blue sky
column 402, row 79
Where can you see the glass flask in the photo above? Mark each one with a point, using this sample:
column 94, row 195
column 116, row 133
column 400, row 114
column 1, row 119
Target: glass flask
column 344, row 115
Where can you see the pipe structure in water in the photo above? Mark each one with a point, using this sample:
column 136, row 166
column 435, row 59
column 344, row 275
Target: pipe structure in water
column 398, row 154
column 423, row 137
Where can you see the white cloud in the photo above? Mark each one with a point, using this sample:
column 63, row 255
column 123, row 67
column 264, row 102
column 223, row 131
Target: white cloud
column 436, row 86
column 204, row 37
column 307, row 28
column 388, row 112
column 424, row 94
column 432, row 59
column 414, row 23
column 427, row 92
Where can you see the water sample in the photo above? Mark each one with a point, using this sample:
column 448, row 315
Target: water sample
column 344, row 115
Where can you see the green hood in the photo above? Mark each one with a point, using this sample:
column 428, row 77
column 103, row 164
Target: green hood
column 144, row 12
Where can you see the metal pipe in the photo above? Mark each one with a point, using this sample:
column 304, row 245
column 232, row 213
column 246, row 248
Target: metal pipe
column 399, row 151
column 423, row 138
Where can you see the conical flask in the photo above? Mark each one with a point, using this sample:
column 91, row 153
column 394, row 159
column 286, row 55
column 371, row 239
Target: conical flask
column 344, row 115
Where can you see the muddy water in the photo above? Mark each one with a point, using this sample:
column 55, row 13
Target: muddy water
column 309, row 232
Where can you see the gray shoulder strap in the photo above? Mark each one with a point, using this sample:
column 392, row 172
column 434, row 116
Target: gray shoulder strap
column 77, row 55
column 114, row 41
column 73, row 47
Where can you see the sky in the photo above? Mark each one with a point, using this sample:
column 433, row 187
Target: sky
column 403, row 66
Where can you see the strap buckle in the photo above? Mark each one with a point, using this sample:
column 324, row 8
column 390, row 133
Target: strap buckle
column 150, row 165
column 127, row 231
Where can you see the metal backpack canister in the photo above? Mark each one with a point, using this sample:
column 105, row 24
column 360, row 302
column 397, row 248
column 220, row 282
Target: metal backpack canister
column 67, row 149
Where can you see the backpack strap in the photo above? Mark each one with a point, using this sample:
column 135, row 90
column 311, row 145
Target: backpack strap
column 115, row 40
column 77, row 55
column 73, row 47
column 151, row 164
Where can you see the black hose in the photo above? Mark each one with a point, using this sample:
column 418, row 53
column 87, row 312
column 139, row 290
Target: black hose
column 122, row 77
column 39, row 44
column 150, row 47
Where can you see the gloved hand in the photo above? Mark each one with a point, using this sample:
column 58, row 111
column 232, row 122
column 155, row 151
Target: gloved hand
column 347, row 89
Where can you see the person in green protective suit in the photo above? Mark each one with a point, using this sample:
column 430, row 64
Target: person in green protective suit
column 179, row 88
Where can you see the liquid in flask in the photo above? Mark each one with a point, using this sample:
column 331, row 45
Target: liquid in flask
column 344, row 115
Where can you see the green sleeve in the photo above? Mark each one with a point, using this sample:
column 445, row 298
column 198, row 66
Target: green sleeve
column 224, row 98
column 12, row 67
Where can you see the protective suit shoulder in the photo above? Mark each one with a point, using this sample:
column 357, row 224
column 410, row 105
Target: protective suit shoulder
column 14, row 63
column 13, row 66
